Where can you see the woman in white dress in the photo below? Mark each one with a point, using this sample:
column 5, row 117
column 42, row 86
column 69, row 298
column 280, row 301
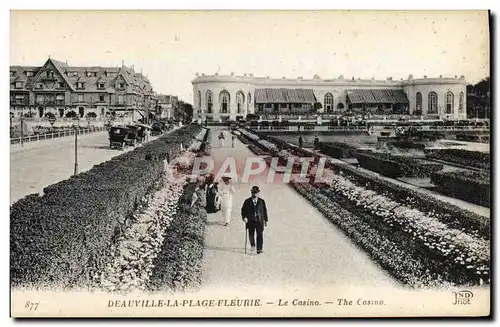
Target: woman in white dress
column 226, row 194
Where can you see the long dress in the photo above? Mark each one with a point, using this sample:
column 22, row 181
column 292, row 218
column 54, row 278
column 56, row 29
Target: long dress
column 227, row 191
column 212, row 195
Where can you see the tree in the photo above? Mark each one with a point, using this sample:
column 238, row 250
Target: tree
column 183, row 111
column 479, row 99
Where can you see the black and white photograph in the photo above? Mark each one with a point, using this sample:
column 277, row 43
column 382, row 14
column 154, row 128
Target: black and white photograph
column 250, row 163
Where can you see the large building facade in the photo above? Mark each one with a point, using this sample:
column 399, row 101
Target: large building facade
column 222, row 97
column 62, row 91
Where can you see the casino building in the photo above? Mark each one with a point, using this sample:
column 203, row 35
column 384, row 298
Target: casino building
column 222, row 97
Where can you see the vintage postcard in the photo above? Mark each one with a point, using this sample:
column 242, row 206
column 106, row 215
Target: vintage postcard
column 255, row 164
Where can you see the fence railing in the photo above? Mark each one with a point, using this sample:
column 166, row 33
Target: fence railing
column 317, row 128
column 54, row 135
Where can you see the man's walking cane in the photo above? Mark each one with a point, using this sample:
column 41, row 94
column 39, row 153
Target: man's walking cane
column 246, row 235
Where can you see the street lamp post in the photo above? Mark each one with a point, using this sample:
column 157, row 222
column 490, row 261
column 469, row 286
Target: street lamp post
column 76, row 124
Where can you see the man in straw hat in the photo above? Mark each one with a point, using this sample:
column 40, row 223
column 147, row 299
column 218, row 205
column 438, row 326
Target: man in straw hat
column 254, row 214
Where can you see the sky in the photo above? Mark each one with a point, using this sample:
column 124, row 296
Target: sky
column 170, row 47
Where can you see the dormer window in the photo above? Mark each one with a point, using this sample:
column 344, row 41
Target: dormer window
column 120, row 86
column 91, row 74
column 29, row 74
column 79, row 85
column 100, row 86
column 19, row 85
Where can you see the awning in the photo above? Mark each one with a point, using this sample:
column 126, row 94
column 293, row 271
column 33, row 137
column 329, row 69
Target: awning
column 60, row 97
column 284, row 96
column 19, row 96
column 376, row 96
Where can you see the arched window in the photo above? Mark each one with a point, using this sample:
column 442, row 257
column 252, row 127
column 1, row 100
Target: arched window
column 449, row 103
column 328, row 102
column 224, row 102
column 418, row 98
column 249, row 101
column 432, row 103
column 461, row 102
column 240, row 100
column 209, row 101
column 340, row 105
column 199, row 99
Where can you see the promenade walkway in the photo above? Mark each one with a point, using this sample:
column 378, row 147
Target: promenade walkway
column 301, row 247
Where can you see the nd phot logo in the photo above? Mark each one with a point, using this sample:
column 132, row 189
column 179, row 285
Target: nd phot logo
column 463, row 297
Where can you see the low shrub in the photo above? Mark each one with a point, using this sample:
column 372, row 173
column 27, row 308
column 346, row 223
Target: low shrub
column 410, row 166
column 257, row 149
column 62, row 238
column 387, row 168
column 471, row 186
column 462, row 157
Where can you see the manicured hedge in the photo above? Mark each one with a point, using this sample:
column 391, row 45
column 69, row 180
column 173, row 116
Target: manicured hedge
column 387, row 168
column 462, row 157
column 62, row 238
column 410, row 166
column 407, row 145
column 338, row 149
column 178, row 266
column 471, row 186
column 257, row 149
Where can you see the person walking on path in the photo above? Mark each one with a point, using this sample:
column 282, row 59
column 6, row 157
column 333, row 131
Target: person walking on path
column 221, row 140
column 254, row 214
column 233, row 137
column 226, row 195
column 301, row 141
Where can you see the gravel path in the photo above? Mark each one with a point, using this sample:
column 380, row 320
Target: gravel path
column 301, row 247
column 32, row 169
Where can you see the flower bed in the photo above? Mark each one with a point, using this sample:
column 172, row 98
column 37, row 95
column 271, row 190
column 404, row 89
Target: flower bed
column 390, row 254
column 457, row 256
column 178, row 267
column 64, row 237
column 471, row 186
column 267, row 146
column 440, row 252
column 462, row 157
column 132, row 256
